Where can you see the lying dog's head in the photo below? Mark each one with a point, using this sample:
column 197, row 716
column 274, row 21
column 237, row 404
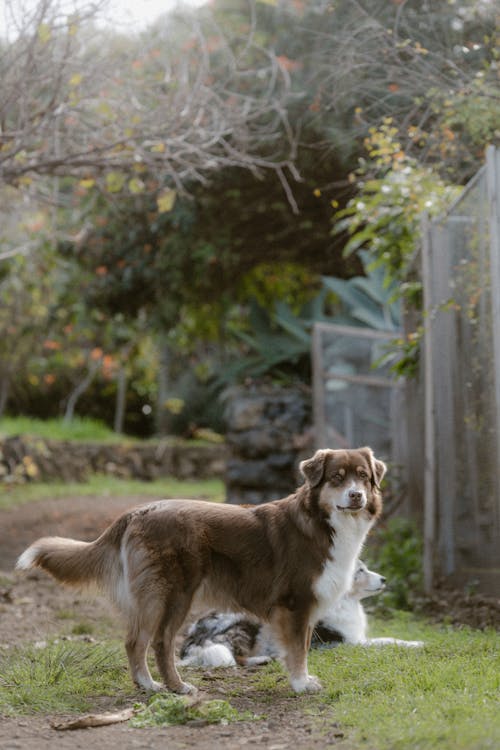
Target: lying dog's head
column 347, row 481
column 365, row 582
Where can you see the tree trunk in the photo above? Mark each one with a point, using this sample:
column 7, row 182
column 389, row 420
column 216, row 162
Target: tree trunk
column 163, row 386
column 4, row 393
column 121, row 399
column 79, row 390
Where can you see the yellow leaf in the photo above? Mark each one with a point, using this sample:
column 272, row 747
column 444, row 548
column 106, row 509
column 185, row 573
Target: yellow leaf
column 87, row 183
column 104, row 109
column 317, row 192
column 136, row 186
column 174, row 405
column 75, row 79
column 158, row 148
column 115, row 182
column 166, row 201
column 44, row 33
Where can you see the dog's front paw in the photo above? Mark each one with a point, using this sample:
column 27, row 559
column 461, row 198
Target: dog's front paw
column 150, row 686
column 306, row 684
column 185, row 688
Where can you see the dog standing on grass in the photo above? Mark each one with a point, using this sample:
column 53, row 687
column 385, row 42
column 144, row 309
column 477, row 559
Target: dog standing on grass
column 285, row 562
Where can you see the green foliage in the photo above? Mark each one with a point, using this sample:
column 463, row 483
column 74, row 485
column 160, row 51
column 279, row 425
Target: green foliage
column 384, row 221
column 394, row 191
column 368, row 300
column 193, row 406
column 278, row 340
column 66, row 676
column 396, row 551
column 277, row 343
column 169, row 710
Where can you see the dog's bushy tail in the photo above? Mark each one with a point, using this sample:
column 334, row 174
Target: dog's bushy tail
column 68, row 560
column 73, row 562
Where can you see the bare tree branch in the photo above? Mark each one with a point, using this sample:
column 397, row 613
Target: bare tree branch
column 78, row 101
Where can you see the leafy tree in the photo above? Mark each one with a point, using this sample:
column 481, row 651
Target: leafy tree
column 26, row 291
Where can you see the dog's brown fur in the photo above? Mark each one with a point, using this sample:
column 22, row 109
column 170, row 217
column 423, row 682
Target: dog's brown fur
column 275, row 561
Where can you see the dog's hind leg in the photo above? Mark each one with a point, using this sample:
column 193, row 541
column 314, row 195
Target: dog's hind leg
column 140, row 632
column 175, row 613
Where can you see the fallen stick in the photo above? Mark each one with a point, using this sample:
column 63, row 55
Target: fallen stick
column 94, row 720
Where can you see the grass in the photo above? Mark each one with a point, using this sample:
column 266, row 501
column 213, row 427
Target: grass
column 80, row 428
column 444, row 696
column 106, row 486
column 88, row 430
column 60, row 677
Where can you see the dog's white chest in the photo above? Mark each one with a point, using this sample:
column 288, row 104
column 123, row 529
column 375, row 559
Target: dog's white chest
column 333, row 583
column 336, row 577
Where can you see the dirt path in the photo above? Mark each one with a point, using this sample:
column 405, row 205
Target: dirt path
column 34, row 608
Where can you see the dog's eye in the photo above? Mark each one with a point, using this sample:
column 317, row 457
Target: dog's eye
column 338, row 477
column 363, row 475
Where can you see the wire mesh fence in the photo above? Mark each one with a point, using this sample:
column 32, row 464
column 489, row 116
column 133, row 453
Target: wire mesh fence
column 461, row 275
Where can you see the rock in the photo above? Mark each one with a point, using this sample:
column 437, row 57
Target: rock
column 265, row 430
column 23, row 459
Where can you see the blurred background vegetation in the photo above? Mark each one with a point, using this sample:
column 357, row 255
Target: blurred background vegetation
column 180, row 203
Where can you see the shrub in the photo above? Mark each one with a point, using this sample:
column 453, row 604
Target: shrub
column 396, row 553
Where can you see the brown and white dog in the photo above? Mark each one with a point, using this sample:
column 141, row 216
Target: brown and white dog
column 286, row 562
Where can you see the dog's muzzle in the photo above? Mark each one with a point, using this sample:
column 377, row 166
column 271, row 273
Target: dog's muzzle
column 355, row 501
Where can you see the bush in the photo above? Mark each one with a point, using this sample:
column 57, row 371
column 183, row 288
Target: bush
column 396, row 553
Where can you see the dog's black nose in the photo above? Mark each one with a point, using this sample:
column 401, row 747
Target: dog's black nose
column 355, row 496
column 382, row 579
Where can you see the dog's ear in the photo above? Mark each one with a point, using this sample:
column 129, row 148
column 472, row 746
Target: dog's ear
column 378, row 467
column 313, row 468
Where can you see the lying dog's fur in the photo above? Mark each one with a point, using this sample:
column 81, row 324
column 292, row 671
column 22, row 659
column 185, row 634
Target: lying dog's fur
column 286, row 562
column 346, row 621
column 228, row 639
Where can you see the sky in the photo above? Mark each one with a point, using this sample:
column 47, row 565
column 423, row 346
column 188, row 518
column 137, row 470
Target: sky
column 134, row 14
column 140, row 13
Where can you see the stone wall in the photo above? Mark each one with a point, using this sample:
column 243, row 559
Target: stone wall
column 30, row 459
column 268, row 432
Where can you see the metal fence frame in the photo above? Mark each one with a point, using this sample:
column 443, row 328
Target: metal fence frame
column 326, row 432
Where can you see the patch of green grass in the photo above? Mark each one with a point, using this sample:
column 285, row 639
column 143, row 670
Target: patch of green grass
column 445, row 695
column 105, row 486
column 80, row 428
column 65, row 614
column 61, row 677
column 82, row 628
column 167, row 710
column 89, row 430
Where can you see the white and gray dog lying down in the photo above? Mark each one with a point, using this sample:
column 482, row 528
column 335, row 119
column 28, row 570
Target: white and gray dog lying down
column 225, row 639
